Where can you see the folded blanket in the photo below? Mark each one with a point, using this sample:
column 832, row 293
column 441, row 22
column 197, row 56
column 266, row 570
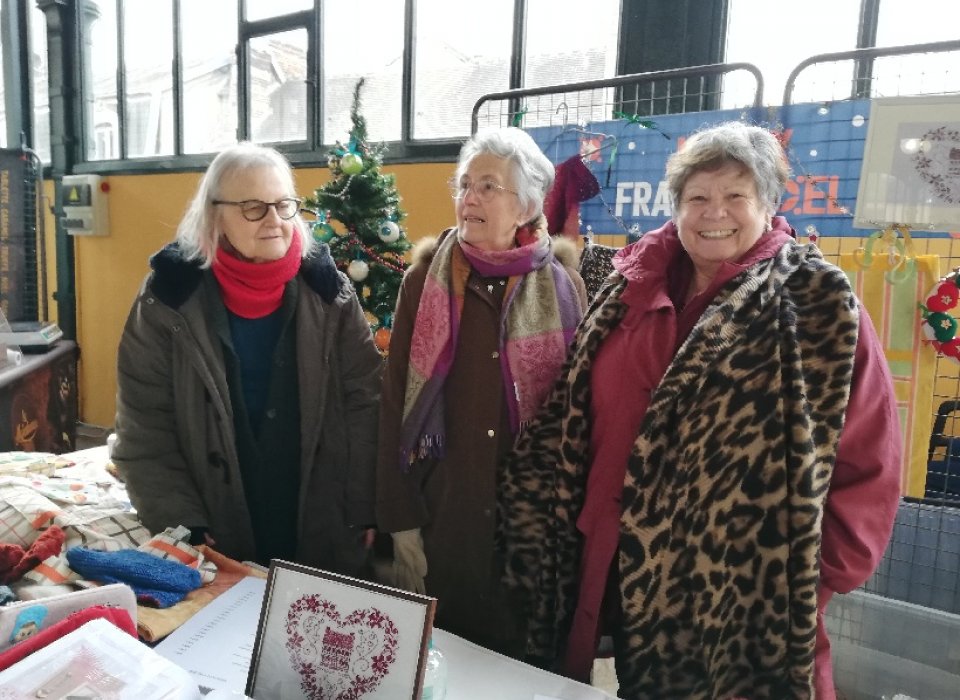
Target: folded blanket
column 156, row 581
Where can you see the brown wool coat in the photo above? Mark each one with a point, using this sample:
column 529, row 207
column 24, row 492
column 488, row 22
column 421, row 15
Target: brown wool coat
column 453, row 499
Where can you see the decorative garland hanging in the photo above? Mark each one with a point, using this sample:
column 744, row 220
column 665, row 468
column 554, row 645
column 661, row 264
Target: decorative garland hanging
column 939, row 324
column 899, row 250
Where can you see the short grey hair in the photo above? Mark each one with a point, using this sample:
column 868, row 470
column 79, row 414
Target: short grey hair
column 533, row 171
column 753, row 147
column 198, row 234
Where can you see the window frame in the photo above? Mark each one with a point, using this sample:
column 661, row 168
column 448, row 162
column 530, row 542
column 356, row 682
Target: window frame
column 312, row 150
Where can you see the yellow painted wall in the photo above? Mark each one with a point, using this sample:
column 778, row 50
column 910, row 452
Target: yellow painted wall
column 144, row 212
column 145, row 209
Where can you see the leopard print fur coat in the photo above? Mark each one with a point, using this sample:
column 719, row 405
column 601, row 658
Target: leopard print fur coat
column 724, row 492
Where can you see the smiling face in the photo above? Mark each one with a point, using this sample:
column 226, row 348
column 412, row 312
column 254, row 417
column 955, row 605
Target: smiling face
column 490, row 224
column 254, row 241
column 719, row 217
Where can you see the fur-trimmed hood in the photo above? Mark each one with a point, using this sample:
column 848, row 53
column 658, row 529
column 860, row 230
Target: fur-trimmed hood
column 175, row 277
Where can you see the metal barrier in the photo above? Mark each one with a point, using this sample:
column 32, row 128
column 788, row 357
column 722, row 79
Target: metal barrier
column 671, row 91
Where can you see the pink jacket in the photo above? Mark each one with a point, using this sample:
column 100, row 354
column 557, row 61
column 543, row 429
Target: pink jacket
column 865, row 487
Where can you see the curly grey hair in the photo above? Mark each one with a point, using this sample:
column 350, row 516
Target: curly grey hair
column 753, row 147
column 198, row 233
column 533, row 171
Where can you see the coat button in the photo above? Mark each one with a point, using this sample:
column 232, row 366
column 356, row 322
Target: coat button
column 271, row 413
column 176, row 328
column 491, row 433
column 149, row 300
column 495, row 354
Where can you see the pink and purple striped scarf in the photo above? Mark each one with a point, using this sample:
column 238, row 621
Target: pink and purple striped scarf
column 540, row 313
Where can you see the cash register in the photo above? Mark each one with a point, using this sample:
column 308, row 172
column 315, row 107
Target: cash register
column 31, row 336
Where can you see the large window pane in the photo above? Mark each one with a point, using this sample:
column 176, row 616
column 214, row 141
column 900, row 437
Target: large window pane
column 278, row 87
column 817, row 26
column 378, row 58
column 560, row 51
column 209, row 39
column 39, row 71
column 260, row 9
column 101, row 122
column 3, row 97
column 903, row 22
column 462, row 52
column 148, row 63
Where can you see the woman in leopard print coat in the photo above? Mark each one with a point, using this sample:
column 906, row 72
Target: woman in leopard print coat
column 722, row 455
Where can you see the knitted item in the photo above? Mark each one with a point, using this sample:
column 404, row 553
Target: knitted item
column 48, row 544
column 10, row 556
column 156, row 581
column 574, row 183
column 254, row 290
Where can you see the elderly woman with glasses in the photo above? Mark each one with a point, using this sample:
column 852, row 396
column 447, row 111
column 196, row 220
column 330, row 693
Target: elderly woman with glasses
column 248, row 380
column 482, row 325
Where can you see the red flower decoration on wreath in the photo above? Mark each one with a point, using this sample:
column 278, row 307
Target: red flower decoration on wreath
column 940, row 327
column 944, row 297
column 951, row 349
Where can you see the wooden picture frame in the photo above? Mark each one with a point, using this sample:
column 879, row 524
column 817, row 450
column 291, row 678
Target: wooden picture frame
column 325, row 636
column 910, row 174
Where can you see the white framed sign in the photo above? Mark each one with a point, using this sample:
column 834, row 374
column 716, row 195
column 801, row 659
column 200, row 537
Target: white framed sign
column 911, row 165
column 323, row 636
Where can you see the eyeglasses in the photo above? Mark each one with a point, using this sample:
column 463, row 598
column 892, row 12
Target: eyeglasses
column 484, row 189
column 254, row 209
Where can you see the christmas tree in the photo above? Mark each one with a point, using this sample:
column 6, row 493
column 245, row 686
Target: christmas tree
column 368, row 243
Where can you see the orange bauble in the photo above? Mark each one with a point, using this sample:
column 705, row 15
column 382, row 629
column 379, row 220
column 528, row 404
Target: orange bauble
column 382, row 339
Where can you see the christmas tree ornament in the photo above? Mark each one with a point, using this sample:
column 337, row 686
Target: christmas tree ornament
column 389, row 232
column 333, row 161
column 382, row 338
column 323, row 232
column 358, row 270
column 351, row 163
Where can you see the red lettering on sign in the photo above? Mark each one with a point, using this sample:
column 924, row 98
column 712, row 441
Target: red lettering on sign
column 812, row 195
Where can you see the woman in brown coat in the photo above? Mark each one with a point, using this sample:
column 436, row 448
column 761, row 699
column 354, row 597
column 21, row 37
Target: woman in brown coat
column 482, row 325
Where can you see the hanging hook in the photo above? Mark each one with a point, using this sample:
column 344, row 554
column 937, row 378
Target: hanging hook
column 566, row 111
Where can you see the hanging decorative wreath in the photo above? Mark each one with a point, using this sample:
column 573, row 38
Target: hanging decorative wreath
column 939, row 324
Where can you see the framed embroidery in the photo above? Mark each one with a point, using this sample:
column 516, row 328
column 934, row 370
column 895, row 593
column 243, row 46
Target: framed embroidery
column 910, row 174
column 324, row 636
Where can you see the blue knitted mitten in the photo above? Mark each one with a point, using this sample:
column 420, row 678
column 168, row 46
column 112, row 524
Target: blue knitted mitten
column 162, row 582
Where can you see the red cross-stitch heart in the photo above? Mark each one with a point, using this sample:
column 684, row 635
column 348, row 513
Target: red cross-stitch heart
column 339, row 658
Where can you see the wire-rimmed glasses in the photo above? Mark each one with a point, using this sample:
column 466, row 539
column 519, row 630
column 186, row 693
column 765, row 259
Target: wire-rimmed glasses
column 255, row 209
column 484, row 189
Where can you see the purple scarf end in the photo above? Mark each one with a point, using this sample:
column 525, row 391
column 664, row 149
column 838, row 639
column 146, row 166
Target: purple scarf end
column 428, row 446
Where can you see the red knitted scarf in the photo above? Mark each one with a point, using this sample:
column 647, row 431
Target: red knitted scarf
column 255, row 290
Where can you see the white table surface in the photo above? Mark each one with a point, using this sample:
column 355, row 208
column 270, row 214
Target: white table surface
column 473, row 672
column 476, row 673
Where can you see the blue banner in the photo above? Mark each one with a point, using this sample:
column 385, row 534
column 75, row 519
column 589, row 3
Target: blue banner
column 824, row 144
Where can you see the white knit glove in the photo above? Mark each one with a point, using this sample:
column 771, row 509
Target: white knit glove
column 409, row 560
